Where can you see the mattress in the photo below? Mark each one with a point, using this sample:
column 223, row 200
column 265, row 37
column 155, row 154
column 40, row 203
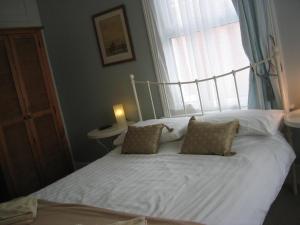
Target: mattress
column 214, row 190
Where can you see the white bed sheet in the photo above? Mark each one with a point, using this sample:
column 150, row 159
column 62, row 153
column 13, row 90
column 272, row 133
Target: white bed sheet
column 214, row 190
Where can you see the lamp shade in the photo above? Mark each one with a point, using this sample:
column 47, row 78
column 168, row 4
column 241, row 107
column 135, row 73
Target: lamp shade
column 120, row 115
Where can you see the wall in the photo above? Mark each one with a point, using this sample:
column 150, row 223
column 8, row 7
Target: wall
column 19, row 13
column 288, row 16
column 87, row 90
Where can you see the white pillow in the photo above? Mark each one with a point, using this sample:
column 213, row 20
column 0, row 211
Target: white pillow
column 178, row 124
column 252, row 122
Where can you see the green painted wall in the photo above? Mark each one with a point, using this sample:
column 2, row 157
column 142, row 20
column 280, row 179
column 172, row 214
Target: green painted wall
column 16, row 13
column 288, row 18
column 87, row 90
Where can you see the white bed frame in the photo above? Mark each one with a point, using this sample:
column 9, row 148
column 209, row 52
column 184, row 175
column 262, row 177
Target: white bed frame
column 162, row 87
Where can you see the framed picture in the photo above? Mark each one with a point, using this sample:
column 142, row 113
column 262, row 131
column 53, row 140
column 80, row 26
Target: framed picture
column 113, row 36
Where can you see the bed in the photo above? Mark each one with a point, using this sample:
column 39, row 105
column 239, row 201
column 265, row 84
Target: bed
column 207, row 189
column 212, row 190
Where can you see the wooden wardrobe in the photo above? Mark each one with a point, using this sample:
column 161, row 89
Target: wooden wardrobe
column 34, row 151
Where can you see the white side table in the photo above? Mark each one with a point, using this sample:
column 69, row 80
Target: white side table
column 99, row 135
column 292, row 120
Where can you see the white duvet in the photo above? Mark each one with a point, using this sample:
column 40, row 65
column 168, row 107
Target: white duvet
column 214, row 190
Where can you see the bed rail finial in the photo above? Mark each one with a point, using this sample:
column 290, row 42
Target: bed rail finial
column 136, row 97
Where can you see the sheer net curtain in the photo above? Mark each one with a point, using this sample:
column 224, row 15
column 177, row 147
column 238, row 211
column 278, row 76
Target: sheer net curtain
column 200, row 39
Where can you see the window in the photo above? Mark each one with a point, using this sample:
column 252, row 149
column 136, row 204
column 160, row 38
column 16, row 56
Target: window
column 200, row 39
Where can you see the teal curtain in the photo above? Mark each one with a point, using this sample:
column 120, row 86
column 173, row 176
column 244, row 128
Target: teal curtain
column 258, row 42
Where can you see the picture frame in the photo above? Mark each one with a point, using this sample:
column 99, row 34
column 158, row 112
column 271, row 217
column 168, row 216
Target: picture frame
column 113, row 36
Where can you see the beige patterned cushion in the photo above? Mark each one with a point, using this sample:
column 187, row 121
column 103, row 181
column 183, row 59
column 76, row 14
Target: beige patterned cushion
column 209, row 138
column 143, row 140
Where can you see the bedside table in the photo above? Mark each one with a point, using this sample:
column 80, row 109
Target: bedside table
column 99, row 135
column 292, row 121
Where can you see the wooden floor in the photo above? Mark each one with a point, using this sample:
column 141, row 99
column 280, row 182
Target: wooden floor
column 285, row 210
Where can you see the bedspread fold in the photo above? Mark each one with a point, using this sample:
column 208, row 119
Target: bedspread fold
column 50, row 213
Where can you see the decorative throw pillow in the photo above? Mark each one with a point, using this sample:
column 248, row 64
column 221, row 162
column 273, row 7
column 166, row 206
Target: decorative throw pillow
column 143, row 140
column 205, row 138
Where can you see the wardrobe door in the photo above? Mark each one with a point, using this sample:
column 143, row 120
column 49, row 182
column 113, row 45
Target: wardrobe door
column 40, row 105
column 17, row 158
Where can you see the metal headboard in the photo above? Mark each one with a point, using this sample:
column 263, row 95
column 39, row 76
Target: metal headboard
column 162, row 86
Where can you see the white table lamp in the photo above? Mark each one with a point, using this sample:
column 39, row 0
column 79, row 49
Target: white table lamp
column 120, row 115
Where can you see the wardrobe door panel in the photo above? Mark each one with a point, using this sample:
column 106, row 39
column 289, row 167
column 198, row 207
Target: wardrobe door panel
column 41, row 106
column 9, row 103
column 19, row 158
column 56, row 163
column 29, row 66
